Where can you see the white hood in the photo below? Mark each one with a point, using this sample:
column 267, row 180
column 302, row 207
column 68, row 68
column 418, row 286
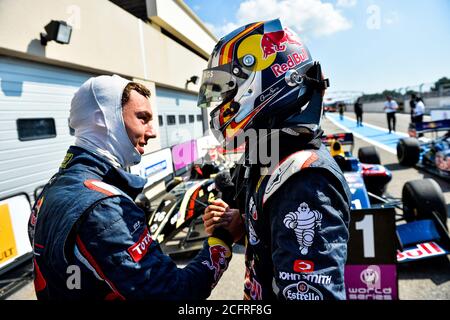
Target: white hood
column 96, row 116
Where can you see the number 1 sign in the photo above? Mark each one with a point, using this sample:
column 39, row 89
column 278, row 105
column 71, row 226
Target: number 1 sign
column 371, row 273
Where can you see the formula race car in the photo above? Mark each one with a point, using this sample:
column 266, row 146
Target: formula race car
column 367, row 166
column 432, row 155
column 176, row 221
column 421, row 213
column 386, row 232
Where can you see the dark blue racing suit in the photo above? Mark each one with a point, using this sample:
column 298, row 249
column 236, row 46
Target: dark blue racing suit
column 296, row 218
column 91, row 241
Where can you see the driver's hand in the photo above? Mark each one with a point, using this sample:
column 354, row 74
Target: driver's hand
column 219, row 214
column 216, row 215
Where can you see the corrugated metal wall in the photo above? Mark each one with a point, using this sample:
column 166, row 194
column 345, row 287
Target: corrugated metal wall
column 174, row 103
column 31, row 90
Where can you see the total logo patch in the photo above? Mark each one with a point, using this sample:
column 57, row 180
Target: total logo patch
column 138, row 250
column 302, row 291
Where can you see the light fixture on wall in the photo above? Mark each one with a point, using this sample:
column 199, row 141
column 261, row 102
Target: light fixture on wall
column 193, row 80
column 59, row 31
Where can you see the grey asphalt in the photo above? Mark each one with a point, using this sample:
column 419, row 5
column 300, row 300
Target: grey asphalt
column 427, row 280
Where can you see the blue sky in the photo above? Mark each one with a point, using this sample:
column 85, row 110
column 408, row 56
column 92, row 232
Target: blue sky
column 363, row 45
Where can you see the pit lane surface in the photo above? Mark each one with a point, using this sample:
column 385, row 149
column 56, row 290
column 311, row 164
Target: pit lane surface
column 423, row 280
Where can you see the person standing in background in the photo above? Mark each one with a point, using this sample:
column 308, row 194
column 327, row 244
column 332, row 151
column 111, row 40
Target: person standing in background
column 358, row 108
column 390, row 107
column 341, row 107
column 412, row 105
column 419, row 111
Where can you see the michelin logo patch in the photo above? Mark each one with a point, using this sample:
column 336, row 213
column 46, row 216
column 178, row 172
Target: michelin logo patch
column 304, row 222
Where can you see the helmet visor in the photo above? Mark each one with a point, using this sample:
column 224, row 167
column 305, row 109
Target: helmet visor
column 217, row 87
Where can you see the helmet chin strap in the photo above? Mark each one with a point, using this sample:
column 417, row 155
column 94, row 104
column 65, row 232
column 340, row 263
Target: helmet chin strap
column 320, row 85
column 293, row 78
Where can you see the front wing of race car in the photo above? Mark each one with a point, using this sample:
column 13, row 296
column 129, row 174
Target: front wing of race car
column 422, row 239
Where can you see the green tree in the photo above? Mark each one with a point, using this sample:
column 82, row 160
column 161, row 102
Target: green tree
column 442, row 81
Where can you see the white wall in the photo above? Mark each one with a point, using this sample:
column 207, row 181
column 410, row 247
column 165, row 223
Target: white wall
column 107, row 39
column 176, row 17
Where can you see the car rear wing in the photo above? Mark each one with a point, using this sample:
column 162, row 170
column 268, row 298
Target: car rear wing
column 433, row 126
column 345, row 138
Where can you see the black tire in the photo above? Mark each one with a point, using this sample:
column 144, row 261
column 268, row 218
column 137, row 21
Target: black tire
column 420, row 198
column 173, row 183
column 408, row 151
column 369, row 155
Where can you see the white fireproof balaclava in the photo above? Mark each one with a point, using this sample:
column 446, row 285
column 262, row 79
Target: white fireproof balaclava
column 96, row 116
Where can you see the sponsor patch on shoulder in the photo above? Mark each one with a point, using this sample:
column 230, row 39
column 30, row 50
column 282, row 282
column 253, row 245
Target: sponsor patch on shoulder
column 286, row 168
column 138, row 250
column 102, row 187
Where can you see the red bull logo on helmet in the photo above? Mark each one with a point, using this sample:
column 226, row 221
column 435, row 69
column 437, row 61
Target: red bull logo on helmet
column 294, row 60
column 273, row 42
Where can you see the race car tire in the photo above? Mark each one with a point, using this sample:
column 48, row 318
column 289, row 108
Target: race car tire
column 408, row 151
column 369, row 155
column 173, row 183
column 420, row 198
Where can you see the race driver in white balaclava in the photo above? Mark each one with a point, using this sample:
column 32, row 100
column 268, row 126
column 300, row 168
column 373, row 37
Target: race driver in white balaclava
column 96, row 115
column 90, row 240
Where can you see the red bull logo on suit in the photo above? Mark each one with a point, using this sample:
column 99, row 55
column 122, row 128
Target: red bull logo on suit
column 219, row 255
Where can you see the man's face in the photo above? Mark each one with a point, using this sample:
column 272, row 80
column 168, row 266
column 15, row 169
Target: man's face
column 138, row 117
